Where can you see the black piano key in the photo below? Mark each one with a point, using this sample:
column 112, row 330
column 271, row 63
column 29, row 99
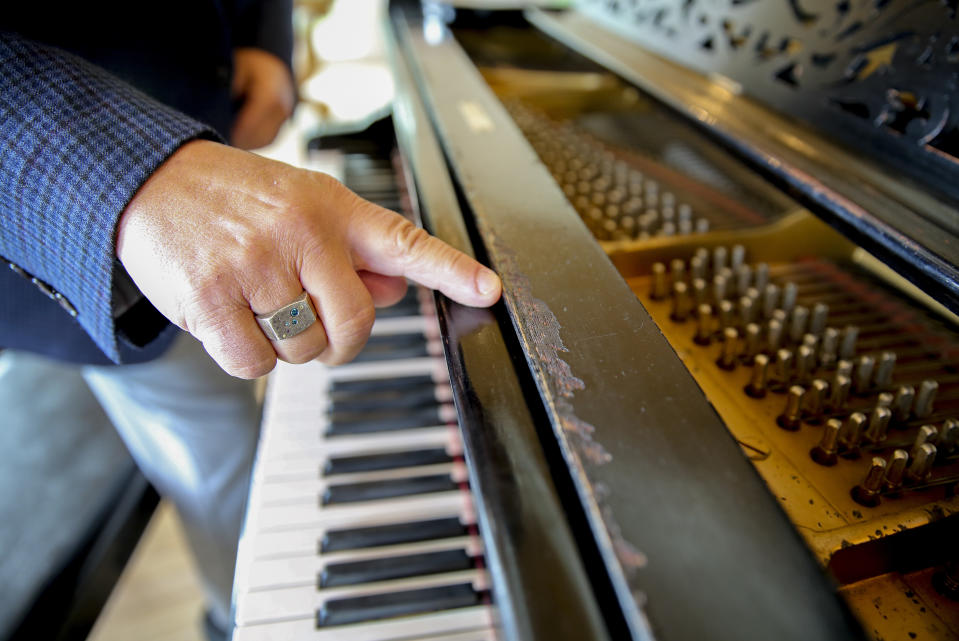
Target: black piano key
column 381, row 421
column 409, row 305
column 373, row 607
column 375, row 384
column 388, row 461
column 394, row 567
column 404, row 398
column 419, row 350
column 392, row 534
column 399, row 309
column 388, row 489
column 393, row 346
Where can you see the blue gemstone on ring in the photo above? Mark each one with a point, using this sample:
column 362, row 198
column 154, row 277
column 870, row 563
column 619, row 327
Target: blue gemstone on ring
column 293, row 321
column 294, row 312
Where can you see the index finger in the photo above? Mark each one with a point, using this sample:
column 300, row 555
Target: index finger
column 388, row 244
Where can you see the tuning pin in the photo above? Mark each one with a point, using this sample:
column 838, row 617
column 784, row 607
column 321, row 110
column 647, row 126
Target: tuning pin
column 825, row 453
column 727, row 273
column 839, row 393
column 844, row 368
column 730, row 350
column 737, row 257
column 746, row 310
column 789, row 297
column 660, row 282
column 704, row 324
column 884, row 399
column 702, row 225
column 863, row 375
column 805, row 363
column 685, row 212
column 896, row 470
column 719, row 259
column 770, row 300
column 847, row 344
column 681, row 303
column 719, row 288
column 757, row 381
column 726, row 315
column 677, row 270
column 902, row 403
column 878, row 424
column 702, row 254
column 828, row 348
column 744, row 278
column 811, row 341
column 751, row 343
column 921, row 463
column 926, row 434
column 699, row 292
column 949, row 436
column 774, row 335
column 761, row 277
column 797, row 323
column 883, row 380
column 697, row 267
column 816, row 400
column 867, row 492
column 791, row 415
column 851, row 435
column 820, row 314
column 783, row 369
column 925, row 398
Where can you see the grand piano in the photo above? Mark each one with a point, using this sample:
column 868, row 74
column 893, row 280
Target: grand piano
column 720, row 396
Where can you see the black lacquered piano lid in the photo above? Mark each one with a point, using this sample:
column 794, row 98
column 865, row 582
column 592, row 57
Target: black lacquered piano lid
column 692, row 544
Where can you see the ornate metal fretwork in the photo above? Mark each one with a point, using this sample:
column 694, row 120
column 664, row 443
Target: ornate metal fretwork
column 880, row 75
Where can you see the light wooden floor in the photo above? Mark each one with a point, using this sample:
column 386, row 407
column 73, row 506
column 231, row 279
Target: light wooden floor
column 158, row 596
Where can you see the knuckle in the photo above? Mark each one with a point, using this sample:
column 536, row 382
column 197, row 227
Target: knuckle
column 352, row 332
column 305, row 355
column 251, row 370
column 409, row 240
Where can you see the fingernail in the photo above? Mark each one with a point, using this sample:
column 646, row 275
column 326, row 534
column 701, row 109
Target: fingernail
column 487, row 281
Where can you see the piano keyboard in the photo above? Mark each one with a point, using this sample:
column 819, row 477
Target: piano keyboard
column 360, row 523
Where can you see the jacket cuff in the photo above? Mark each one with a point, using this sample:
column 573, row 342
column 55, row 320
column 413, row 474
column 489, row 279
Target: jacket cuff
column 79, row 144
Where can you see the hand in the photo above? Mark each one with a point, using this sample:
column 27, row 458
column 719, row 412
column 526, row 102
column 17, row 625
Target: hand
column 217, row 235
column 264, row 84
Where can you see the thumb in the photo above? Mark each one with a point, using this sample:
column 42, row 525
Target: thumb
column 386, row 243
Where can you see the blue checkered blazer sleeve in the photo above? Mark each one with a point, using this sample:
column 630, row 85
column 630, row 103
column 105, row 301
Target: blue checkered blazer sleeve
column 76, row 145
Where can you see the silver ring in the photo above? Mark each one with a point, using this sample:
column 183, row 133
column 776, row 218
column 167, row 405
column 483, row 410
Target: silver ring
column 289, row 320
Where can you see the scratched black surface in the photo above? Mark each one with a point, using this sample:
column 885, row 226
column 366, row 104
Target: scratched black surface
column 540, row 587
column 683, row 522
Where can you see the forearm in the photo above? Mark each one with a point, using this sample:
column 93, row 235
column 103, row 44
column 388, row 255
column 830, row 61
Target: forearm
column 78, row 144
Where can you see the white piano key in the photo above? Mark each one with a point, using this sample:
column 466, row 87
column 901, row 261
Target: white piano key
column 305, row 540
column 266, row 574
column 308, row 491
column 283, row 462
column 448, row 625
column 285, row 516
column 312, row 443
column 264, row 606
